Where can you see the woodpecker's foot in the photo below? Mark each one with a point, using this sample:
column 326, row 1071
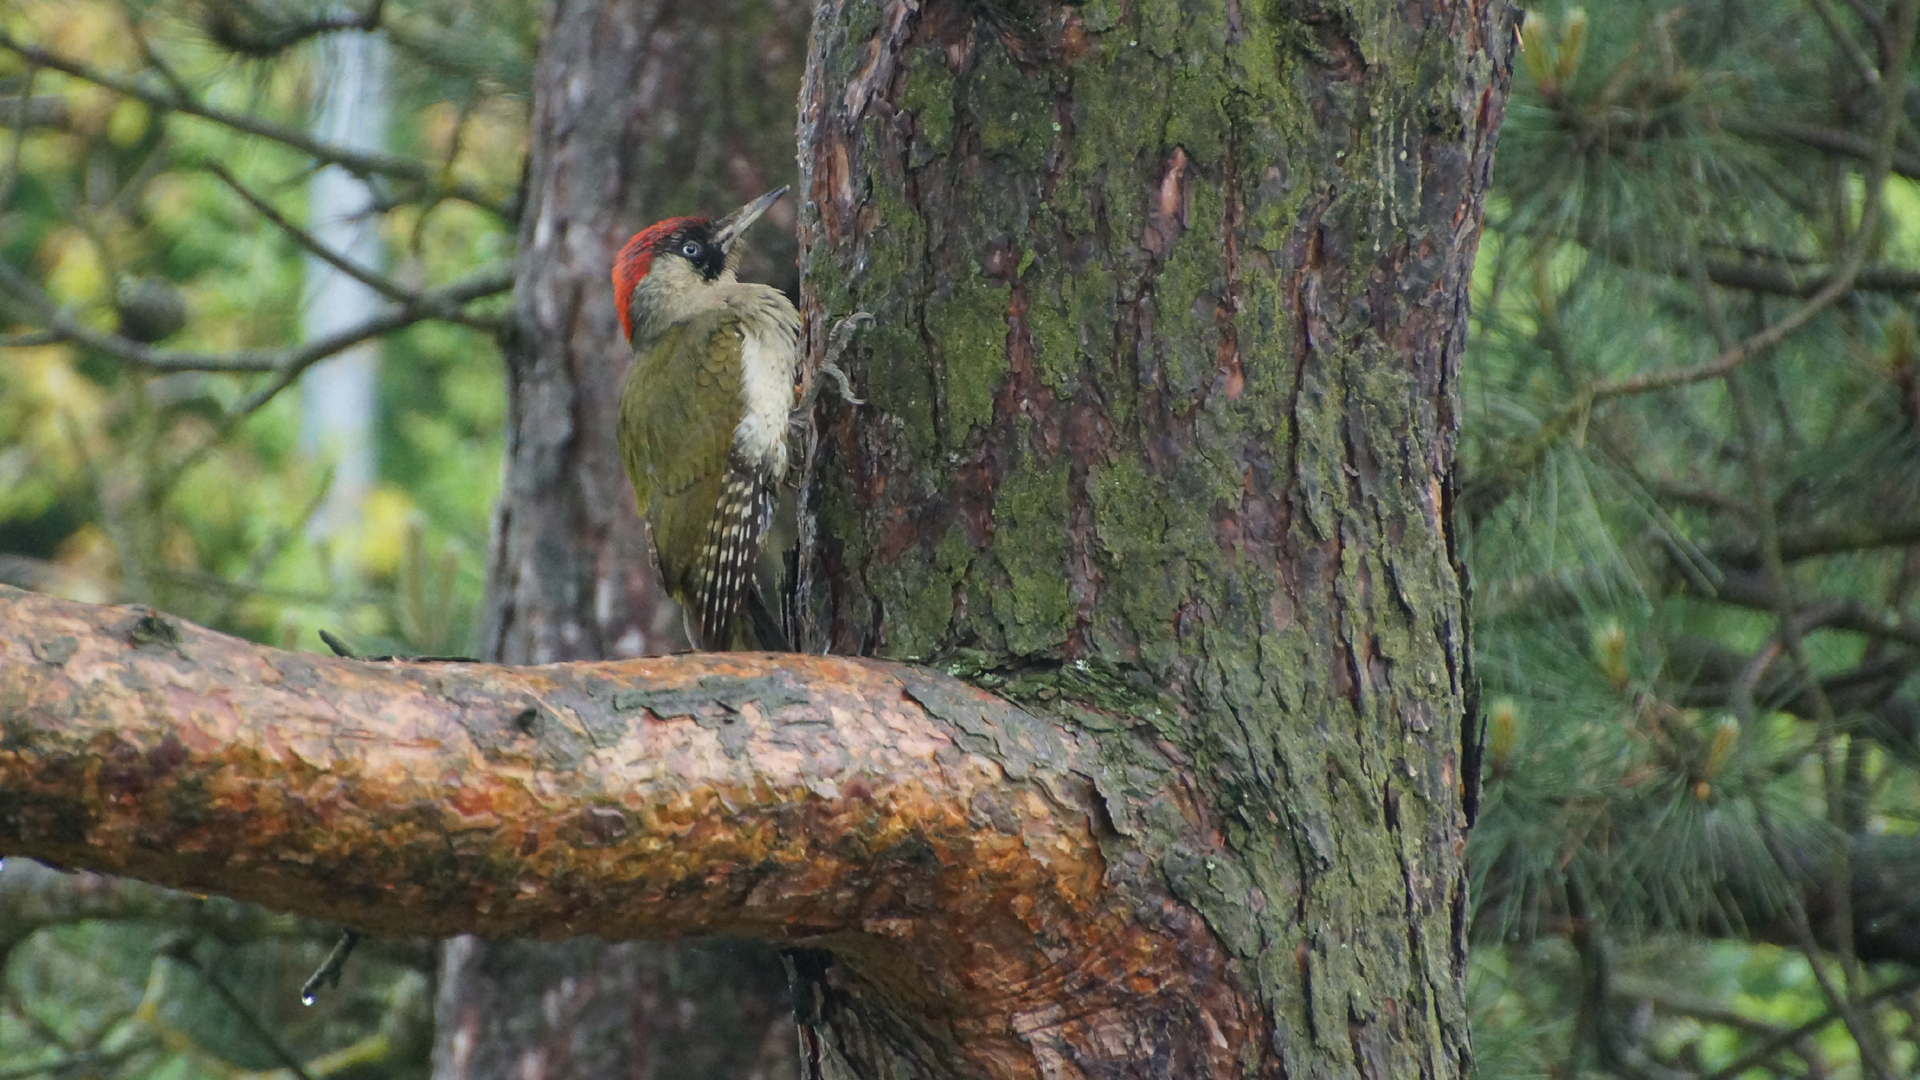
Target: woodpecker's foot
column 837, row 344
column 843, row 332
column 840, row 384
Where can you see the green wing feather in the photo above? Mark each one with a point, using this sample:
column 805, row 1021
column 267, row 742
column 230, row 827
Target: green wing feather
column 678, row 412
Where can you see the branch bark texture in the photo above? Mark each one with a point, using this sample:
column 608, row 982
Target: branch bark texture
column 942, row 841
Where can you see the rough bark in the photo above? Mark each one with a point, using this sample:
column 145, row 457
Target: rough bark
column 642, row 109
column 1169, row 304
column 121, row 745
column 944, row 844
column 1159, row 432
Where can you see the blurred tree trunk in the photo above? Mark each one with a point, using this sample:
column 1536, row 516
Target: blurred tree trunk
column 1161, row 407
column 340, row 397
column 642, row 109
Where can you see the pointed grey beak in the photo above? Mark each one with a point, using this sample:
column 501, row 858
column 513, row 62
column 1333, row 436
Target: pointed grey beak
column 729, row 228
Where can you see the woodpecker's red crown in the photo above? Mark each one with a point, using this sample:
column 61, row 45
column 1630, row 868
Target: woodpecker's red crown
column 706, row 245
column 670, row 236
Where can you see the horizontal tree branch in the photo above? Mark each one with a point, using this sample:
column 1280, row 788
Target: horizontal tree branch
column 358, row 162
column 935, row 836
column 1751, row 591
column 435, row 303
column 1830, row 140
column 1784, row 281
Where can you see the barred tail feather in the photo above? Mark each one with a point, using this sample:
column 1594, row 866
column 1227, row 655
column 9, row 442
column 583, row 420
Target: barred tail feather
column 740, row 522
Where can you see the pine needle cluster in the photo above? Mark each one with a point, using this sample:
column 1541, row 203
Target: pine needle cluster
column 1691, row 490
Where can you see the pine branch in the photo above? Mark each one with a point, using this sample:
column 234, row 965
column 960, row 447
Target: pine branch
column 1489, row 488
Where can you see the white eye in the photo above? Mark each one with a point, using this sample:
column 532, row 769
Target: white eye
column 691, row 249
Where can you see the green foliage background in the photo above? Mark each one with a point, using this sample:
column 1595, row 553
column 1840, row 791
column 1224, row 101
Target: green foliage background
column 1695, row 612
column 115, row 485
column 1693, row 717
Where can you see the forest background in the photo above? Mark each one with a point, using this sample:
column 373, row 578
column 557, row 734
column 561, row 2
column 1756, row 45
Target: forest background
column 1690, row 472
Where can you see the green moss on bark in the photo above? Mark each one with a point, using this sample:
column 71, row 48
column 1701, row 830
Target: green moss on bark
column 969, row 330
column 929, row 96
column 1035, row 610
column 925, row 580
column 1217, row 479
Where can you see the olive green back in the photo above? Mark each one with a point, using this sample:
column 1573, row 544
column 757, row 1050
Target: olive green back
column 678, row 411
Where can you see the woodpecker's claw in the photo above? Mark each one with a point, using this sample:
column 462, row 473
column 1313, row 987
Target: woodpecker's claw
column 843, row 332
column 840, row 384
column 837, row 344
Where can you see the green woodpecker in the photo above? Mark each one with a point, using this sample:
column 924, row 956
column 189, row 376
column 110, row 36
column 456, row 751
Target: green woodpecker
column 703, row 423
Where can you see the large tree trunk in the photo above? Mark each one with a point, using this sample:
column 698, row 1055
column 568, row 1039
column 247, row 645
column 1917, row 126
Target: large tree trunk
column 1170, row 303
column 642, row 109
column 1157, row 446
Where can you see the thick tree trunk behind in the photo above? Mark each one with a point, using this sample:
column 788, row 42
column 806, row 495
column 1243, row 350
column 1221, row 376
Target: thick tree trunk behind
column 1160, row 426
column 642, row 109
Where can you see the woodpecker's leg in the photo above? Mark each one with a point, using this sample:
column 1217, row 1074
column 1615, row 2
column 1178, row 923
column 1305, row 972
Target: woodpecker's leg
column 837, row 343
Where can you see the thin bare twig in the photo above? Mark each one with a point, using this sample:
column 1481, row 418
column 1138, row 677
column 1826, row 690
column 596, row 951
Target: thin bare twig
column 183, row 956
column 21, row 105
column 153, row 58
column 359, row 162
column 1861, row 61
column 1867, row 15
column 488, row 280
column 1786, row 1038
column 311, row 244
column 1872, row 1055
